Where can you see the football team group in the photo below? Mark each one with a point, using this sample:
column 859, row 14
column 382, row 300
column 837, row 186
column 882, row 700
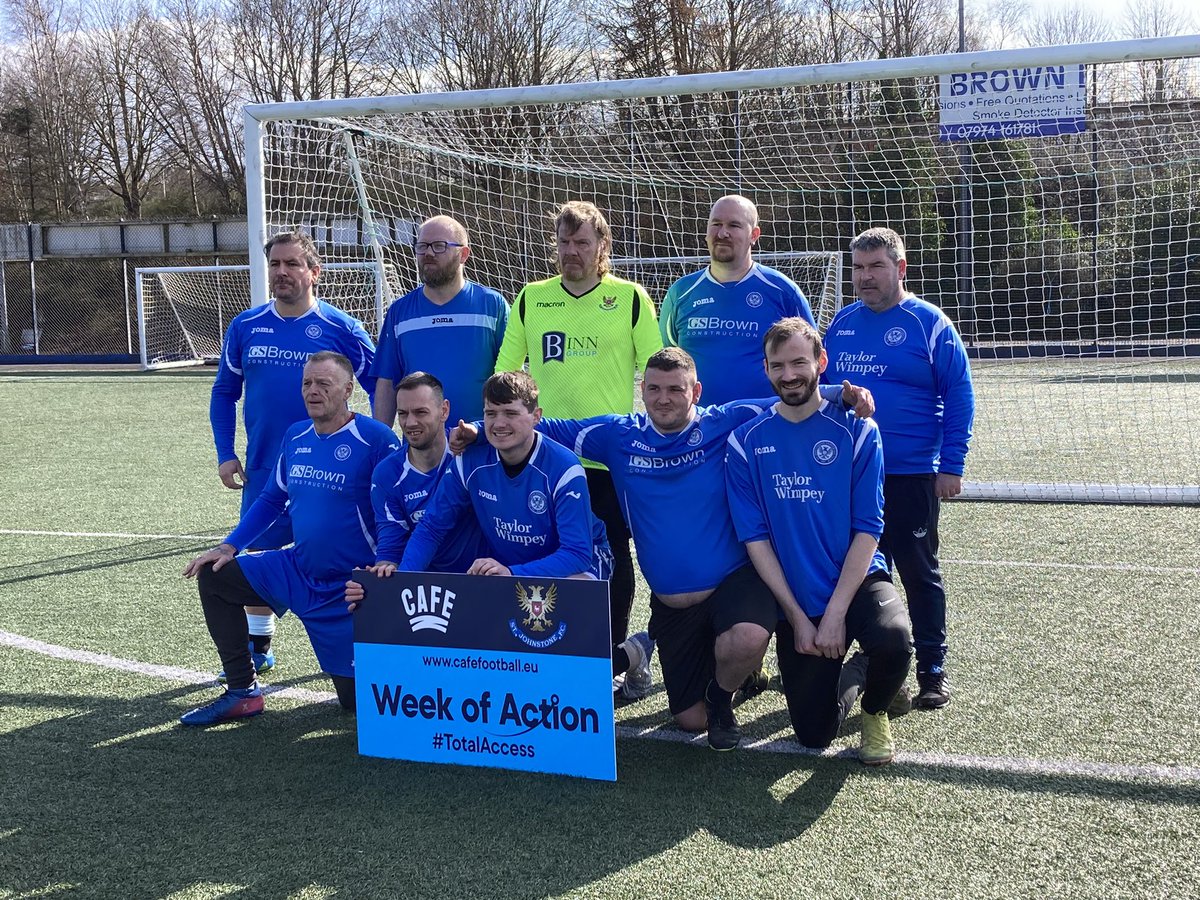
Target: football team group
column 773, row 485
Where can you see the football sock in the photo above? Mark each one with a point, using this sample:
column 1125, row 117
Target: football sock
column 344, row 685
column 620, row 659
column 717, row 695
column 262, row 629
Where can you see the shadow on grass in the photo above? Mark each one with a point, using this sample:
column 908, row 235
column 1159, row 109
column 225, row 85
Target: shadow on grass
column 108, row 558
column 109, row 796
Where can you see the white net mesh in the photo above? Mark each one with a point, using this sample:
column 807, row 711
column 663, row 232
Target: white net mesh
column 1069, row 263
column 183, row 310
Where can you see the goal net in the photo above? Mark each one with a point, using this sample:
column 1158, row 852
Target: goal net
column 1066, row 251
column 183, row 310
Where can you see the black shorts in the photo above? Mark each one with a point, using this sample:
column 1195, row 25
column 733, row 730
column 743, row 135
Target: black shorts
column 686, row 637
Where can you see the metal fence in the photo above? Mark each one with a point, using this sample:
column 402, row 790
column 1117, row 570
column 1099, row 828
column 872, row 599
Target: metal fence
column 67, row 289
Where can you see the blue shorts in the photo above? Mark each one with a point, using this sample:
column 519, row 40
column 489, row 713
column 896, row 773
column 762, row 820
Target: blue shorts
column 279, row 533
column 320, row 605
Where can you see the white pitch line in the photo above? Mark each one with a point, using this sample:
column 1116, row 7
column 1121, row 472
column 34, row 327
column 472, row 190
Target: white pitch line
column 1181, row 775
column 996, row 563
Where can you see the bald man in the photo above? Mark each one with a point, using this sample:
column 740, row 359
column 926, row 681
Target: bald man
column 720, row 314
column 448, row 326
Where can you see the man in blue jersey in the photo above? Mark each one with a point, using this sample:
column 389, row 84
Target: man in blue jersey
column 805, row 484
column 263, row 356
column 448, row 326
column 709, row 612
column 720, row 314
column 403, row 483
column 910, row 355
column 323, row 475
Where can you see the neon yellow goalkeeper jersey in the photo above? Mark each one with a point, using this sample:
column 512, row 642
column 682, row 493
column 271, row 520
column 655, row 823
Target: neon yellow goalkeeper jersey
column 582, row 351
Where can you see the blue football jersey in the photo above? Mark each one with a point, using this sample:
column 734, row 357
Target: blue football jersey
column 538, row 523
column 325, row 479
column 914, row 362
column 400, row 494
column 457, row 342
column 722, row 326
column 264, row 353
column 808, row 487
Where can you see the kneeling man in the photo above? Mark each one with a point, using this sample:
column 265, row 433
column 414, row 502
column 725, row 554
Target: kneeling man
column 323, row 476
column 805, row 484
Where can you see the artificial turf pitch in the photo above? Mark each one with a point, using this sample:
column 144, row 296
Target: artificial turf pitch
column 1065, row 766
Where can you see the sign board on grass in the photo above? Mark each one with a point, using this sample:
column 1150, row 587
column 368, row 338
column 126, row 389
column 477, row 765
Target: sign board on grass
column 513, row 673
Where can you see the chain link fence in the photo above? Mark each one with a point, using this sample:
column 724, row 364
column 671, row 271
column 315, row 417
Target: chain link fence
column 67, row 290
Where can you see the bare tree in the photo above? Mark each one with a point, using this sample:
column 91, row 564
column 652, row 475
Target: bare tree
column 60, row 93
column 129, row 143
column 198, row 100
column 1073, row 23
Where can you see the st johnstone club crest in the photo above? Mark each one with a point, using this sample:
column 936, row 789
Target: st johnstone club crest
column 894, row 336
column 313, row 331
column 607, row 303
column 537, row 502
column 536, row 606
column 537, row 602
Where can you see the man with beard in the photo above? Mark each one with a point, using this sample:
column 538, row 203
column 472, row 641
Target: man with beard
column 448, row 326
column 710, row 613
column 585, row 333
column 720, row 314
column 805, row 487
column 262, row 358
column 404, row 482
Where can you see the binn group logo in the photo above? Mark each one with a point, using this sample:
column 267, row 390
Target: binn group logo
column 428, row 608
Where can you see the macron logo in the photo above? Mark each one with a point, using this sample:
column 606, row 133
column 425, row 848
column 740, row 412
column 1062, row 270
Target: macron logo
column 428, row 608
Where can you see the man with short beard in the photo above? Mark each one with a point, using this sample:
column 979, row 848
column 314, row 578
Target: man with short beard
column 449, row 327
column 805, row 487
column 720, row 314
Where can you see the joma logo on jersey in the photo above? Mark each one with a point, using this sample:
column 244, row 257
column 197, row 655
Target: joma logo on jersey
column 557, row 346
column 442, row 320
column 638, row 445
column 429, row 607
column 262, row 329
column 704, row 301
column 844, row 332
column 270, row 351
column 486, row 496
column 415, row 495
column 762, row 451
column 716, row 323
column 312, row 473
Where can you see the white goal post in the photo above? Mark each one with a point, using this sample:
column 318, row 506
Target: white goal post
column 182, row 311
column 1067, row 261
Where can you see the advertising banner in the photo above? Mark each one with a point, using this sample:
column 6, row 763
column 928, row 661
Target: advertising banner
column 1012, row 103
column 512, row 673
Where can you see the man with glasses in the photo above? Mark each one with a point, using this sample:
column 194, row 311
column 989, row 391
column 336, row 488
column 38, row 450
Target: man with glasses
column 448, row 326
